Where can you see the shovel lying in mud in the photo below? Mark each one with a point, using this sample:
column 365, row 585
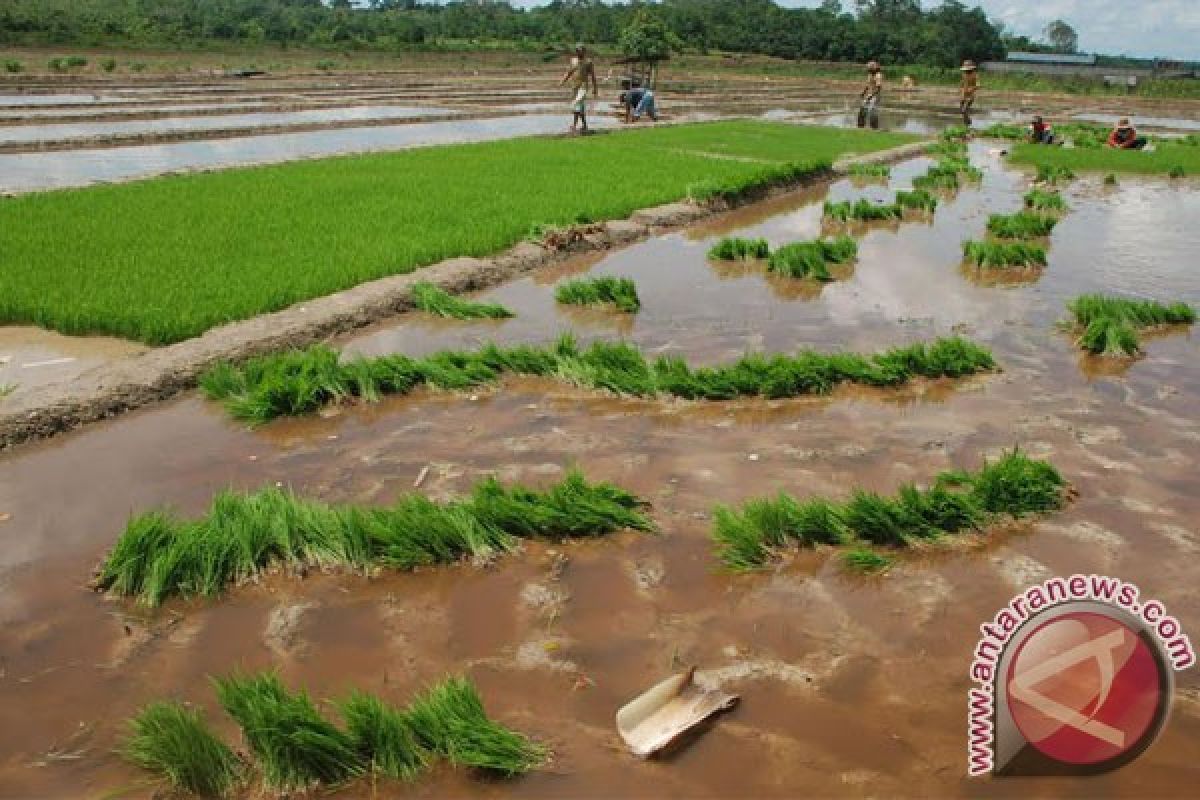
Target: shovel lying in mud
column 661, row 715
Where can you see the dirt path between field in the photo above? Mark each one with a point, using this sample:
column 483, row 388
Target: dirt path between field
column 42, row 411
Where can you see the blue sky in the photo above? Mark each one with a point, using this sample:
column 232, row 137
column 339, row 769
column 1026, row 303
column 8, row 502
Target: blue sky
column 1169, row 28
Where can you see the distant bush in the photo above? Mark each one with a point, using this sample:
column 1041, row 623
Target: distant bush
column 12, row 65
column 326, row 65
column 137, row 66
column 109, row 65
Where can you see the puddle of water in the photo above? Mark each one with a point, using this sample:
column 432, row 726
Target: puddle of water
column 36, row 357
column 37, row 171
column 69, row 131
column 849, row 686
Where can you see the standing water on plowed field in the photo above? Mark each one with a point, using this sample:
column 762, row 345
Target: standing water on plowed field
column 850, row 685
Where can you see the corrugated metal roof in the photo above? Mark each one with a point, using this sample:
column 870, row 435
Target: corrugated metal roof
column 1052, row 58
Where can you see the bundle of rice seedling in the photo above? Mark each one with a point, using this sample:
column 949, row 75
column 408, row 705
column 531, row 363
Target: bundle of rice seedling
column 735, row 249
column 296, row 747
column 1177, row 171
column 620, row 293
column 1001, row 255
column 917, row 200
column 862, row 211
column 812, row 259
column 263, row 391
column 244, row 534
column 1002, row 130
column 449, row 719
column 861, row 170
column 1051, row 174
column 1042, row 200
column 433, row 300
column 1109, row 325
column 383, row 737
column 1022, row 225
column 956, row 133
column 175, row 743
column 867, row 561
column 746, row 538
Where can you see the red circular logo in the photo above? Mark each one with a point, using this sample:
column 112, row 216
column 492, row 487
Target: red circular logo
column 1085, row 689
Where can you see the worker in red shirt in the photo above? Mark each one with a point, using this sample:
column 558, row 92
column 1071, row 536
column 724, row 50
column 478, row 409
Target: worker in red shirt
column 1125, row 137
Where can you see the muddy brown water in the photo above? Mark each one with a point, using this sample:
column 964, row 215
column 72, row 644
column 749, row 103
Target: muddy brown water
column 850, row 686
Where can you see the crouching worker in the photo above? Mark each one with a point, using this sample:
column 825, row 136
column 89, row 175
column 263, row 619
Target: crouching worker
column 1125, row 137
column 638, row 100
column 1040, row 132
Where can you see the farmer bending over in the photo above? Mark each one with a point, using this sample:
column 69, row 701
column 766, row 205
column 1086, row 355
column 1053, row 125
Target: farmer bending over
column 637, row 100
column 1125, row 137
column 869, row 111
column 970, row 88
column 581, row 73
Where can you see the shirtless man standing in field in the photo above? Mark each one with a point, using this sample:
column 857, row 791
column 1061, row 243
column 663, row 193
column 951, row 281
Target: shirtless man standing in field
column 581, row 73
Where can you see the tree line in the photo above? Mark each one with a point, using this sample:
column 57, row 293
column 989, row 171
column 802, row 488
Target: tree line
column 894, row 31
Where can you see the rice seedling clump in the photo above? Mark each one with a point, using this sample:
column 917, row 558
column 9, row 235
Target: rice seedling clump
column 159, row 556
column 1022, row 225
column 175, row 743
column 877, row 171
column 621, row 293
column 449, row 719
column 295, row 746
column 735, row 249
column 303, row 381
column 1109, row 325
column 431, row 299
column 383, row 737
column 296, row 749
column 917, row 200
column 812, row 259
column 1052, row 174
column 1042, row 200
column 867, row 561
column 1001, row 255
column 747, row 538
column 862, row 211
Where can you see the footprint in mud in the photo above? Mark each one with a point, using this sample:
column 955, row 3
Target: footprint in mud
column 282, row 631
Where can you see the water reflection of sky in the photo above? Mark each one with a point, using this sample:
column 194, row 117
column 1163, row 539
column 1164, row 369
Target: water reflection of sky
column 69, row 131
column 54, row 170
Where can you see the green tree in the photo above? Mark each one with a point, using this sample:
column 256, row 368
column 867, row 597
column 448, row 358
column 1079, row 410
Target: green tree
column 647, row 37
column 1062, row 37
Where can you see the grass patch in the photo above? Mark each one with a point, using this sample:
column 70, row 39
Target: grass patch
column 917, row 200
column 1022, row 225
column 870, row 171
column 736, row 249
column 1052, row 174
column 862, row 211
column 159, row 556
column 747, row 538
column 6, row 389
column 1109, row 326
column 1166, row 156
column 175, row 743
column 947, row 174
column 1004, row 255
column 812, row 259
column 1044, row 201
column 166, row 259
column 620, row 293
column 432, row 300
column 302, row 381
column 294, row 745
column 449, row 719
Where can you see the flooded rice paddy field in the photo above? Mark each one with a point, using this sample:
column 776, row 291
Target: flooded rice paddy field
column 849, row 685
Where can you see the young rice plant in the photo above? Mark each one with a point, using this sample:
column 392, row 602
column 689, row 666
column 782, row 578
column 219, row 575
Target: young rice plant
column 1109, row 325
column 175, row 743
column 303, row 381
column 431, row 299
column 620, row 293
column 735, row 249
column 862, row 211
column 812, row 259
column 1022, row 225
column 747, row 538
column 1004, row 255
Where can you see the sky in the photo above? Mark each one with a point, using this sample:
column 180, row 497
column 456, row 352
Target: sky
column 1168, row 28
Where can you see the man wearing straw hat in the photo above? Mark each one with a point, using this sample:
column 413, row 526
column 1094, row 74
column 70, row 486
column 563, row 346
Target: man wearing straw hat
column 581, row 73
column 869, row 110
column 970, row 88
